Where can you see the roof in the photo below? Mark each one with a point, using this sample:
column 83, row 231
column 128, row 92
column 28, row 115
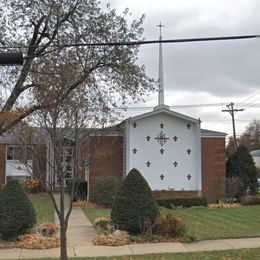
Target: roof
column 40, row 134
column 165, row 109
column 255, row 153
column 209, row 133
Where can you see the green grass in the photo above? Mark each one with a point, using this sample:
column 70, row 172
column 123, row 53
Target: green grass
column 205, row 223
column 93, row 213
column 212, row 255
column 43, row 207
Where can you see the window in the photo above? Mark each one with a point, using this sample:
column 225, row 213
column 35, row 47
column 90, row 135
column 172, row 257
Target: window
column 9, row 178
column 19, row 153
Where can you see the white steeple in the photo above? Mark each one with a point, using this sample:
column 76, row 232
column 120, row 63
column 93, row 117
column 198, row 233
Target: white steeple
column 160, row 79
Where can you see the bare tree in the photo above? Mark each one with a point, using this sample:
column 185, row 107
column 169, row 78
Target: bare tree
column 41, row 29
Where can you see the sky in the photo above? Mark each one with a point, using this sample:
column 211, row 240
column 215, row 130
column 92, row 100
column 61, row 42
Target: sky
column 205, row 72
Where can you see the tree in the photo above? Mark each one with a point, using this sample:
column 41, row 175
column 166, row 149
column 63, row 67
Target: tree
column 17, row 214
column 61, row 88
column 251, row 136
column 42, row 29
column 241, row 164
column 134, row 208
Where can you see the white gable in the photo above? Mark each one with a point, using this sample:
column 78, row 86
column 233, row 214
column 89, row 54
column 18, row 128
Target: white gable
column 165, row 147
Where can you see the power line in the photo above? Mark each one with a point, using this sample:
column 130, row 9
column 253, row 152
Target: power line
column 133, row 43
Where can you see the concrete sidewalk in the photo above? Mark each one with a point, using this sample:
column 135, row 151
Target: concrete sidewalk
column 133, row 249
column 80, row 230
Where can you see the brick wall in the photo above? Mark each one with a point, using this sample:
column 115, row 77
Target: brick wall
column 2, row 164
column 105, row 156
column 165, row 194
column 213, row 168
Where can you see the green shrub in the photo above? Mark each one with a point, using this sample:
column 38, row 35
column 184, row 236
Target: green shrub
column 250, row 200
column 17, row 214
column 169, row 225
column 185, row 202
column 105, row 190
column 241, row 164
column 135, row 208
column 80, row 190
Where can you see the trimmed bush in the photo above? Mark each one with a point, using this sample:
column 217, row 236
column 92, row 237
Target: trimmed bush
column 135, row 208
column 17, row 214
column 182, row 202
column 169, row 225
column 250, row 200
column 105, row 190
column 80, row 190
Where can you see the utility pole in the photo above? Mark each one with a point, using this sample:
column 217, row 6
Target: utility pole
column 232, row 111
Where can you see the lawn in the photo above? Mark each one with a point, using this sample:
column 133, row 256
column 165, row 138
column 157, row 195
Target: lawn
column 212, row 255
column 43, row 207
column 205, row 223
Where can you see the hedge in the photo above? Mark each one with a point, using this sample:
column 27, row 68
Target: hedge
column 185, row 202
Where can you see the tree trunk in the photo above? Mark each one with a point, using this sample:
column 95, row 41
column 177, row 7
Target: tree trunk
column 63, row 226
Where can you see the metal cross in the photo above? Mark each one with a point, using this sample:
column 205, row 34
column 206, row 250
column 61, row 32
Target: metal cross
column 161, row 176
column 175, row 164
column 148, row 138
column 134, row 150
column 161, row 138
column 188, row 125
column 162, row 150
column 161, row 125
column 148, row 164
column 175, row 138
column 160, row 26
column 134, row 124
column 189, row 151
column 189, row 176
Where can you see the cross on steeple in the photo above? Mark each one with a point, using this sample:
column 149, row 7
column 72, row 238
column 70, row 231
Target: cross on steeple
column 160, row 26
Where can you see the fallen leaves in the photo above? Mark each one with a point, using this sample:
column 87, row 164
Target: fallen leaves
column 84, row 204
column 224, row 205
column 118, row 238
column 37, row 241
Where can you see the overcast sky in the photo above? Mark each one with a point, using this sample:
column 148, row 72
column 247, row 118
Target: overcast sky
column 212, row 72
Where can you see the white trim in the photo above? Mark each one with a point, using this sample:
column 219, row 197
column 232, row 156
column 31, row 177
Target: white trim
column 166, row 111
column 105, row 134
column 213, row 136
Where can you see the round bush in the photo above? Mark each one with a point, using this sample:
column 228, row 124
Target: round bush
column 134, row 208
column 16, row 211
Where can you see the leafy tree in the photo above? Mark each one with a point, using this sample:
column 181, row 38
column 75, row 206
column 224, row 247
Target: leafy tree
column 135, row 207
column 241, row 164
column 41, row 29
column 17, row 214
column 89, row 79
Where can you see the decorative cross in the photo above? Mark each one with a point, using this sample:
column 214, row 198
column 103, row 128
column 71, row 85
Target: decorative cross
column 148, row 164
column 134, row 150
column 160, row 26
column 162, row 150
column 175, row 138
column 161, row 125
column 148, row 138
column 189, row 176
column 161, row 138
column 134, row 124
column 161, row 176
column 188, row 125
column 175, row 164
column 189, row 151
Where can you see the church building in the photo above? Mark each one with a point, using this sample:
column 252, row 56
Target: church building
column 171, row 151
